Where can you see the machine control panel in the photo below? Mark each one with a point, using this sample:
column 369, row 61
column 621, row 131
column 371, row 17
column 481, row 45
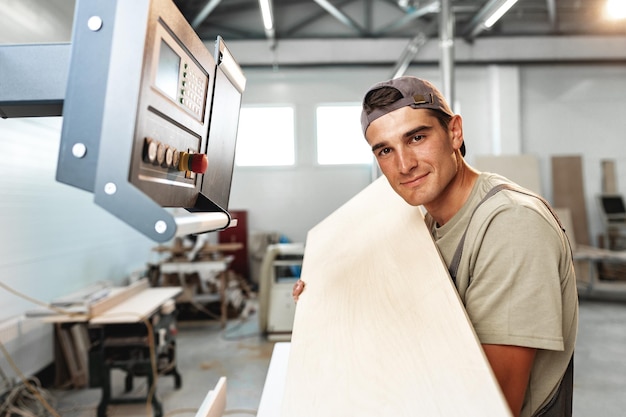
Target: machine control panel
column 161, row 132
column 169, row 153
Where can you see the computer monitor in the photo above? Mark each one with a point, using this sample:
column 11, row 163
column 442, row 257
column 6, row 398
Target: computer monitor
column 612, row 207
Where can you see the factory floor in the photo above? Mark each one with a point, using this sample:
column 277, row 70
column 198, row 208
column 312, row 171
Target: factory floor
column 239, row 352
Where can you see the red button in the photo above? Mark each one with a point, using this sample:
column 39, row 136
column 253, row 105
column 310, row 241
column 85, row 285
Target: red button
column 198, row 163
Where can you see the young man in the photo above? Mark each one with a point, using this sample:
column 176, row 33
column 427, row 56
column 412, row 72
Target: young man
column 506, row 251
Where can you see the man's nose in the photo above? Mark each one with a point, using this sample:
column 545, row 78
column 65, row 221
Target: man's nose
column 406, row 161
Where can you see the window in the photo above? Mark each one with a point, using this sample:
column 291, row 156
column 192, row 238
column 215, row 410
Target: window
column 265, row 137
column 339, row 136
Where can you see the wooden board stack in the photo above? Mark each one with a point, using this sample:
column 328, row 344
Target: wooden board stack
column 379, row 329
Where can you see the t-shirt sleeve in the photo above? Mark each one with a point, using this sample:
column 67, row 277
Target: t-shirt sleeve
column 514, row 295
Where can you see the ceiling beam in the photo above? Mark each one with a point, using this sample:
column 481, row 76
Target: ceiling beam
column 477, row 23
column 311, row 18
column 487, row 51
column 205, row 12
column 430, row 8
column 409, row 52
column 341, row 16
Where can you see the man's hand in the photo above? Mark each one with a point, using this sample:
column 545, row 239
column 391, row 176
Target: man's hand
column 298, row 287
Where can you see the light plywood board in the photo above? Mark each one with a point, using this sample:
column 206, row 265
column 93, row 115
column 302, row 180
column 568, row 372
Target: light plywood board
column 379, row 329
column 521, row 169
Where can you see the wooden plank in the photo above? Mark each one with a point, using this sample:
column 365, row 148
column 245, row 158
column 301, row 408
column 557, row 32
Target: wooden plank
column 609, row 177
column 274, row 386
column 379, row 329
column 214, row 403
column 77, row 373
column 113, row 299
column 568, row 192
column 522, row 169
column 138, row 307
column 80, row 341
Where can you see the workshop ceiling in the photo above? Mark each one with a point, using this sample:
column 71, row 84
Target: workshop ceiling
column 370, row 19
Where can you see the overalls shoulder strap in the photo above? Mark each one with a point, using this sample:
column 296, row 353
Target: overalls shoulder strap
column 561, row 403
column 456, row 259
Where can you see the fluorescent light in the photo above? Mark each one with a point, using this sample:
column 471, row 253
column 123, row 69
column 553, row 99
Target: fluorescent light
column 266, row 12
column 615, row 9
column 491, row 20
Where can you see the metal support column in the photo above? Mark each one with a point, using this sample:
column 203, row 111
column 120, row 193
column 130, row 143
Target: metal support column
column 446, row 39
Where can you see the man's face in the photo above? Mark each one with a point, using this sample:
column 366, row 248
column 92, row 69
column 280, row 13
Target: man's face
column 415, row 153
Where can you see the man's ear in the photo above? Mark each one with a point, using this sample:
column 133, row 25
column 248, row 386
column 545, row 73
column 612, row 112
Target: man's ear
column 455, row 127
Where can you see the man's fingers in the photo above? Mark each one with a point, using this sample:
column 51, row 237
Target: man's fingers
column 298, row 287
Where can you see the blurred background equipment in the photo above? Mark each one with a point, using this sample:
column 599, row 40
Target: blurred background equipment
column 280, row 270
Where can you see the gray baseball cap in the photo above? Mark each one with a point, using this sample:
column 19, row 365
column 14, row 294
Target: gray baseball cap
column 416, row 92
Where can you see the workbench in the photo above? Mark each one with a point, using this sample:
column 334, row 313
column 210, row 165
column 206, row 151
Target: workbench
column 595, row 256
column 210, row 272
column 119, row 338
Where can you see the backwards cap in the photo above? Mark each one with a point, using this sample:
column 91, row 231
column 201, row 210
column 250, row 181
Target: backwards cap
column 416, row 92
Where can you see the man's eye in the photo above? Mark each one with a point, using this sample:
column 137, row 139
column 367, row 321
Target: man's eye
column 417, row 138
column 384, row 151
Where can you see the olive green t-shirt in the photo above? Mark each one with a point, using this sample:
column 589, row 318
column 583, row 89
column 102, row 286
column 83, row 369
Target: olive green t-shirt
column 516, row 280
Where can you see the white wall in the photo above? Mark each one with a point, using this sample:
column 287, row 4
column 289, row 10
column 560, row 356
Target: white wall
column 543, row 110
column 577, row 110
column 54, row 239
column 291, row 200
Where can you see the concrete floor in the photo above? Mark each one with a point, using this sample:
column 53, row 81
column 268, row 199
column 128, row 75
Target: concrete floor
column 206, row 352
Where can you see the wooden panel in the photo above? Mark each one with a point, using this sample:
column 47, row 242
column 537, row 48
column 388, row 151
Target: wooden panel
column 73, row 357
column 522, row 169
column 138, row 307
column 274, row 386
column 214, row 403
column 609, row 177
column 117, row 297
column 568, row 192
column 379, row 329
column 71, row 240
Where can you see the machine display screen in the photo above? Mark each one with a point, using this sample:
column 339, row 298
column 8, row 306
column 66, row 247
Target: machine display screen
column 168, row 70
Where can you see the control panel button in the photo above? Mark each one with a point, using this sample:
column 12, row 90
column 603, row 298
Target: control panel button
column 193, row 162
column 150, row 150
column 175, row 158
column 183, row 161
column 169, row 157
column 198, row 163
column 160, row 156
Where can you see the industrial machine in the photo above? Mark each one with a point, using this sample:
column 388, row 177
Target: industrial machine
column 150, row 116
column 280, row 270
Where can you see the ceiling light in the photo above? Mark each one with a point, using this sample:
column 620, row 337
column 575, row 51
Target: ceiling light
column 615, row 9
column 266, row 12
column 500, row 11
